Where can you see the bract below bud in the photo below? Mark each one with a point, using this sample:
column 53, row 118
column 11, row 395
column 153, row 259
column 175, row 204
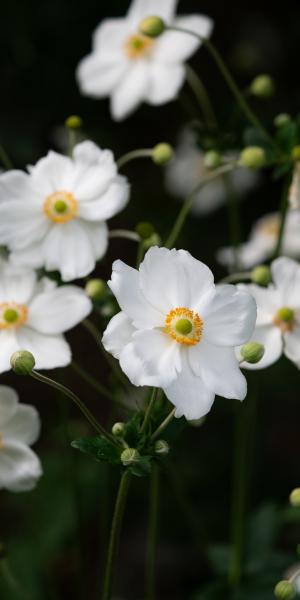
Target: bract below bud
column 130, row 456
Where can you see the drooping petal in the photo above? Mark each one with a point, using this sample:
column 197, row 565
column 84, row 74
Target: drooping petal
column 59, row 310
column 165, row 82
column 24, row 427
column 8, row 345
column 8, row 404
column 97, row 78
column 292, row 345
column 109, row 203
column 131, row 91
column 146, row 8
column 49, row 351
column 117, row 334
column 286, row 276
column 271, row 338
column 174, row 46
column 20, row 468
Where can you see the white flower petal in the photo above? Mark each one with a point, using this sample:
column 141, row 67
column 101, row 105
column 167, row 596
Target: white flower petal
column 32, row 256
column 24, row 427
column 94, row 170
column 56, row 311
column 268, row 302
column 174, row 46
column 8, row 405
column 51, row 174
column 109, row 203
column 145, row 8
column 165, row 82
column 8, row 345
column 230, row 317
column 49, row 351
column 20, row 468
column 98, row 236
column 163, row 279
column 286, row 276
column 17, row 186
column 97, row 78
column 292, row 345
column 117, row 334
column 131, row 91
column 199, row 281
column 21, row 223
column 16, row 284
column 68, row 249
column 109, row 38
column 271, row 339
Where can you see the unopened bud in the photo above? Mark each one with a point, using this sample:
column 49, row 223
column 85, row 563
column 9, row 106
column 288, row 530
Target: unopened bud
column 161, row 447
column 22, row 362
column 96, row 289
column 212, row 159
column 262, row 86
column 296, row 153
column 162, row 154
column 295, row 498
column 252, row 352
column 130, row 456
column 118, row 429
column 73, row 122
column 152, row 26
column 153, row 240
column 253, row 157
column 282, row 119
column 261, row 275
column 284, row 590
column 144, row 230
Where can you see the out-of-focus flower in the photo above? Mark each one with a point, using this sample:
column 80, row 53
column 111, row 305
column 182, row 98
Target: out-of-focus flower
column 132, row 68
column 20, row 468
column 34, row 314
column 177, row 331
column 278, row 314
column 262, row 241
column 55, row 215
column 294, row 192
column 187, row 168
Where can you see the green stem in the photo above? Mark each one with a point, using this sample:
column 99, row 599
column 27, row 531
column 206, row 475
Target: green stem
column 189, row 202
column 94, row 383
column 142, row 153
column 163, row 425
column 202, row 96
column 152, row 534
column 235, row 277
column 124, row 234
column 115, row 535
column 284, row 205
column 149, row 410
column 72, row 140
column 7, row 163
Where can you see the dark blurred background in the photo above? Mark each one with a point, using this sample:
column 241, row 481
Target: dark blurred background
column 40, row 47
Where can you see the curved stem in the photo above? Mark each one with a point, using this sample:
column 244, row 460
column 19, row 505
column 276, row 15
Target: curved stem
column 124, row 234
column 234, row 277
column 202, row 96
column 142, row 153
column 7, row 163
column 94, row 383
column 184, row 211
column 152, row 533
column 115, row 535
column 284, row 205
column 163, row 425
column 149, row 410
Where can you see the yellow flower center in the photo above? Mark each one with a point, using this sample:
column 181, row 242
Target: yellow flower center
column 138, row 46
column 184, row 325
column 285, row 319
column 12, row 315
column 60, row 207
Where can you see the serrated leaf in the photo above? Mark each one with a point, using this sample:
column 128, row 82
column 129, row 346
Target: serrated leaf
column 100, row 448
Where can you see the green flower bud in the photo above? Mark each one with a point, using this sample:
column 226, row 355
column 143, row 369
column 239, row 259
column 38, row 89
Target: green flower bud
column 152, row 26
column 161, row 447
column 296, row 153
column 130, row 456
column 261, row 275
column 262, row 86
column 73, row 122
column 252, row 352
column 153, row 240
column 144, row 230
column 282, row 119
column 284, row 590
column 118, row 429
column 295, row 498
column 22, row 362
column 212, row 159
column 162, row 154
column 253, row 157
column 96, row 289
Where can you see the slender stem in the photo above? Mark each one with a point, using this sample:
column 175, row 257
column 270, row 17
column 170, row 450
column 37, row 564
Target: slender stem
column 72, row 140
column 233, row 220
column 7, row 163
column 94, row 383
column 284, row 205
column 152, row 534
column 184, row 211
column 163, row 425
column 234, row 277
column 124, row 234
column 115, row 535
column 149, row 410
column 142, row 153
column 202, row 96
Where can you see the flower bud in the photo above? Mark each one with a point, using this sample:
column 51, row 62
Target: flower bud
column 96, row 289
column 284, row 590
column 253, row 157
column 252, row 352
column 282, row 119
column 161, row 447
column 118, row 429
column 22, row 362
column 296, row 153
column 295, row 498
column 144, row 230
column 162, row 154
column 261, row 275
column 262, row 86
column 152, row 26
column 130, row 456
column 212, row 159
column 73, row 122
column 153, row 240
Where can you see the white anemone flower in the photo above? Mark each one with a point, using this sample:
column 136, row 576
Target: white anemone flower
column 177, row 330
column 132, row 68
column 35, row 314
column 20, row 467
column 278, row 314
column 187, row 168
column 55, row 215
column 262, row 241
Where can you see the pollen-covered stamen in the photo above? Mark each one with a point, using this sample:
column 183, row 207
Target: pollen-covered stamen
column 60, row 207
column 285, row 319
column 12, row 315
column 138, row 46
column 184, row 325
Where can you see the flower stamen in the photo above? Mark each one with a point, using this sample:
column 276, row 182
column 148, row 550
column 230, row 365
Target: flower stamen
column 12, row 315
column 285, row 319
column 61, row 207
column 138, row 46
column 184, row 325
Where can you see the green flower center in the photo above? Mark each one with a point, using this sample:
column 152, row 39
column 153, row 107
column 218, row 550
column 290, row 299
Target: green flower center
column 10, row 315
column 60, row 206
column 184, row 326
column 286, row 314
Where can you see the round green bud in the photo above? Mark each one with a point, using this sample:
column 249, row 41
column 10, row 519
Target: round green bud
column 162, row 154
column 252, row 352
column 282, row 119
column 296, row 153
column 73, row 122
column 253, row 157
column 285, row 314
column 261, row 275
column 144, row 230
column 152, row 26
column 22, row 362
column 153, row 240
column 262, row 86
column 284, row 590
column 295, row 498
column 118, row 429
column 161, row 447
column 130, row 456
column 96, row 289
column 212, row 159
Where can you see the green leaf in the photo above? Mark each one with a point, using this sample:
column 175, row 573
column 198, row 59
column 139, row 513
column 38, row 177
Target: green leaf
column 132, row 430
column 287, row 136
column 100, row 448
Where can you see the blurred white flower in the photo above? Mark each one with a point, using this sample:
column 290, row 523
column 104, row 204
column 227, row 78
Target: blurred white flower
column 132, row 68
column 187, row 168
column 278, row 314
column 263, row 239
column 177, row 331
column 294, row 192
column 20, row 468
column 34, row 314
column 54, row 216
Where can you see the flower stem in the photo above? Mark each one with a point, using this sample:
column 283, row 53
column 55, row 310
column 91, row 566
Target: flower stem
column 7, row 163
column 152, row 533
column 149, row 410
column 124, row 234
column 163, row 425
column 126, row 158
column 94, row 383
column 234, row 277
column 115, row 535
column 202, row 96
column 284, row 205
column 184, row 211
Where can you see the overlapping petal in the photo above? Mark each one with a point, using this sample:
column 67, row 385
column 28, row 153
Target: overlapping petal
column 56, row 311
column 230, row 317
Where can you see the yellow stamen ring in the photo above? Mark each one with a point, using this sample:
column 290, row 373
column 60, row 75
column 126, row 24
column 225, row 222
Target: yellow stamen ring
column 60, row 207
column 184, row 325
column 12, row 315
column 137, row 46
